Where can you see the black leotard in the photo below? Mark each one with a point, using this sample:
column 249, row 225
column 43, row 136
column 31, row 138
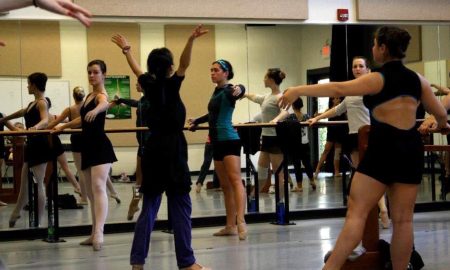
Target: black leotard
column 393, row 155
column 96, row 148
column 37, row 150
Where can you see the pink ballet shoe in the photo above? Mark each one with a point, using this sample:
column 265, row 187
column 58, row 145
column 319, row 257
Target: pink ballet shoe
column 227, row 231
column 115, row 197
column 195, row 266
column 97, row 242
column 242, row 231
column 87, row 242
column 12, row 220
column 384, row 220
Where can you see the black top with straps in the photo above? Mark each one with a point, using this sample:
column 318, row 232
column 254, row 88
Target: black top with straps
column 37, row 150
column 97, row 148
column 76, row 140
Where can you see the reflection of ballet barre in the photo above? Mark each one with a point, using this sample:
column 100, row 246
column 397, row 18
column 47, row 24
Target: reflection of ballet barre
column 444, row 187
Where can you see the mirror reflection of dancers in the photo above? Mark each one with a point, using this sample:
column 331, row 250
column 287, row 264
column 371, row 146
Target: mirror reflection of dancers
column 59, row 152
column 358, row 116
column 97, row 153
column 164, row 163
column 72, row 113
column 270, row 153
column 37, row 150
column 142, row 106
column 335, row 136
column 3, row 153
column 392, row 95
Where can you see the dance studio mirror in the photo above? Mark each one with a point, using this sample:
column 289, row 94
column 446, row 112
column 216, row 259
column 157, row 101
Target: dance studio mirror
column 63, row 49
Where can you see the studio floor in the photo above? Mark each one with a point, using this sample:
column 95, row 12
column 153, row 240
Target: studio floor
column 299, row 246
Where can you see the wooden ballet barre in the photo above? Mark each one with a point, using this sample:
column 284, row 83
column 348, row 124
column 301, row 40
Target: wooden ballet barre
column 436, row 148
column 123, row 130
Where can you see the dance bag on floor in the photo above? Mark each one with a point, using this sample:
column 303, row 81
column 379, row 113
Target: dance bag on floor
column 415, row 263
column 68, row 201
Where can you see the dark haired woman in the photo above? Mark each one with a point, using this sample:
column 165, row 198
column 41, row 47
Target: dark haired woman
column 270, row 113
column 37, row 150
column 164, row 162
column 226, row 147
column 97, row 153
column 141, row 119
column 392, row 95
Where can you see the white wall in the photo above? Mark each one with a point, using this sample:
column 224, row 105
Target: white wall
column 320, row 11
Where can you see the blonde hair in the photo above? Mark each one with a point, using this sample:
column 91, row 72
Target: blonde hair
column 78, row 93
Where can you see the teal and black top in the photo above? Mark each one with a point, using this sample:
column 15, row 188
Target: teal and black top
column 220, row 113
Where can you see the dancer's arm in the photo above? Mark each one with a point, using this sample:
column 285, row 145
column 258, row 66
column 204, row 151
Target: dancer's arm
column 185, row 58
column 123, row 44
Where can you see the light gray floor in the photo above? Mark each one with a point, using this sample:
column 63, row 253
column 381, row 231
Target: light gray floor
column 207, row 202
column 301, row 246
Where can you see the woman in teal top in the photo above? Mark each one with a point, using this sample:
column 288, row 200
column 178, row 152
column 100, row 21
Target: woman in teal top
column 226, row 147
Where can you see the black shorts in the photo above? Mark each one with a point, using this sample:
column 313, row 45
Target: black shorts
column 76, row 142
column 140, row 151
column 222, row 149
column 270, row 144
column 337, row 133
column 393, row 155
column 351, row 143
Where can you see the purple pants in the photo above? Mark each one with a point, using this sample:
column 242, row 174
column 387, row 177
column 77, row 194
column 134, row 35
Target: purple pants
column 180, row 209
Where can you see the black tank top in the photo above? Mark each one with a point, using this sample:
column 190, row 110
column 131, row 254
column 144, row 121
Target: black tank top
column 32, row 115
column 398, row 81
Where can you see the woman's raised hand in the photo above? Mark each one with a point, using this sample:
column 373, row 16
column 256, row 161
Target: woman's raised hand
column 120, row 41
column 199, row 31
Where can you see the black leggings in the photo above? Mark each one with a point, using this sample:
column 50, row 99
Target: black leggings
column 302, row 156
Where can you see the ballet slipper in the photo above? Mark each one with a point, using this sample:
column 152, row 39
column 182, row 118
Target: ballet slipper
column 198, row 187
column 87, row 242
column 195, row 266
column 115, row 197
column 242, row 231
column 82, row 203
column 297, row 189
column 384, row 219
column 12, row 220
column 227, row 231
column 313, row 184
column 133, row 208
column 97, row 242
